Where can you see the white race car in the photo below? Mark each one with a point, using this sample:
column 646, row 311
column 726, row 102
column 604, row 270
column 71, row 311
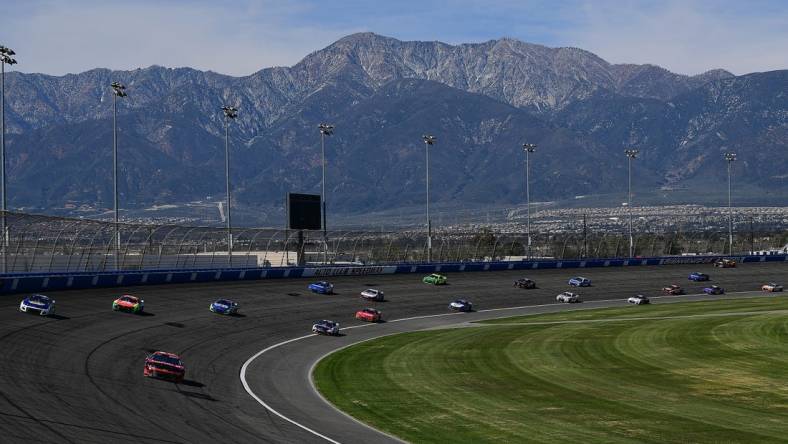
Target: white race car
column 771, row 287
column 372, row 294
column 568, row 297
column 38, row 304
column 637, row 300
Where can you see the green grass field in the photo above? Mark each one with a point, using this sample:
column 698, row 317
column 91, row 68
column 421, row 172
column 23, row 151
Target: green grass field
column 685, row 372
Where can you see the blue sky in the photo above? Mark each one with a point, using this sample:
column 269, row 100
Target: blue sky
column 240, row 37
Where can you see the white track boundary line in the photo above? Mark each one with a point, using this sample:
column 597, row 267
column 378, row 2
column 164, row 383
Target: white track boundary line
column 246, row 364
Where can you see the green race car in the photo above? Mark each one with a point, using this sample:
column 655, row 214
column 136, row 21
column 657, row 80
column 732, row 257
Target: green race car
column 435, row 279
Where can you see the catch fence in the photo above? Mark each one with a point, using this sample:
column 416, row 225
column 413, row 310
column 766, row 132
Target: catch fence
column 44, row 244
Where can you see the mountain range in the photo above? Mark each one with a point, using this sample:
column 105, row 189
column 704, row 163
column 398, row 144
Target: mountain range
column 481, row 100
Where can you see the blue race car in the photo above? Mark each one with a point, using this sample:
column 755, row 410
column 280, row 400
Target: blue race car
column 714, row 289
column 321, row 287
column 461, row 305
column 224, row 306
column 38, row 304
column 698, row 276
column 580, row 281
column 326, row 327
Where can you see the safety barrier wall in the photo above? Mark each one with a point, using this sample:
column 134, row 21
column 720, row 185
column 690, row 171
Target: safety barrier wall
column 30, row 282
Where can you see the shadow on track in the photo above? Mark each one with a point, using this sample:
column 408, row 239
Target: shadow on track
column 58, row 317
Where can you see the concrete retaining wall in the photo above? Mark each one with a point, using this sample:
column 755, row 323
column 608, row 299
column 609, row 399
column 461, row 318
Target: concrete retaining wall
column 31, row 283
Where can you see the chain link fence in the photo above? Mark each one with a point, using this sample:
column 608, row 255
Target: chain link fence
column 43, row 244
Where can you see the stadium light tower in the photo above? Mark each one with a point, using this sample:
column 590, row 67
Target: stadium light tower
column 230, row 113
column 325, row 130
column 631, row 154
column 730, row 158
column 528, row 148
column 118, row 90
column 429, row 140
column 5, row 58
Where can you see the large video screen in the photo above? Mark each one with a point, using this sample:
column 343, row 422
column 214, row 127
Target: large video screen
column 303, row 211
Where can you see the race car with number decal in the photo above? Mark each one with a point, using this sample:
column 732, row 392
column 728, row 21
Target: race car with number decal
column 568, row 297
column 326, row 327
column 461, row 305
column 369, row 315
column 128, row 303
column 580, row 281
column 435, row 279
column 771, row 287
column 525, row 283
column 37, row 304
column 725, row 263
column 698, row 276
column 714, row 289
column 638, row 300
column 164, row 365
column 372, row 294
column 673, row 290
column 321, row 287
column 224, row 306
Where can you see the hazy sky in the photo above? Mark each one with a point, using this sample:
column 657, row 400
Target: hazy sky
column 240, row 37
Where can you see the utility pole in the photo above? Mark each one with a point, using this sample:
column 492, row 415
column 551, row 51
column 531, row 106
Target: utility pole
column 5, row 58
column 528, row 148
column 429, row 140
column 230, row 113
column 325, row 130
column 118, row 90
column 730, row 158
column 631, row 154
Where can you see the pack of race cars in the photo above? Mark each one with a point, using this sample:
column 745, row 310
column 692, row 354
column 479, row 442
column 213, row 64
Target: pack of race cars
column 165, row 365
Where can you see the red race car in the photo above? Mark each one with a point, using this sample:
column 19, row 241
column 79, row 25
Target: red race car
column 165, row 366
column 369, row 315
column 129, row 303
column 673, row 290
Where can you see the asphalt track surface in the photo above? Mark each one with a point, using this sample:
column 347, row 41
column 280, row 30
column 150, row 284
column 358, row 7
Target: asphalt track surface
column 77, row 377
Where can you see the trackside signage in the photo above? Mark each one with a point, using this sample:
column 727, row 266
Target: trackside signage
column 695, row 260
column 349, row 271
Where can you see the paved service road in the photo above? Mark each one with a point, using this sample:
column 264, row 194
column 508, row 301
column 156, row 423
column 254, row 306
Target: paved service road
column 77, row 377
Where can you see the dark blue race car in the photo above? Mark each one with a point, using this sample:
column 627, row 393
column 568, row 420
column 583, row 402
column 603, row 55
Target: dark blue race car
column 698, row 276
column 224, row 306
column 580, row 281
column 321, row 287
column 461, row 305
column 326, row 327
column 714, row 289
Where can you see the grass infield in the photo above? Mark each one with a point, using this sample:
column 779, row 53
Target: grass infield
column 684, row 372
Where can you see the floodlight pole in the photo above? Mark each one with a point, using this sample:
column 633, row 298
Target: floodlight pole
column 429, row 140
column 5, row 57
column 325, row 130
column 528, row 148
column 730, row 158
column 631, row 154
column 230, row 112
column 118, row 90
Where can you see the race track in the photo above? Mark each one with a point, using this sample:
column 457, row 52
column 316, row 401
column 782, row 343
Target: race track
column 77, row 377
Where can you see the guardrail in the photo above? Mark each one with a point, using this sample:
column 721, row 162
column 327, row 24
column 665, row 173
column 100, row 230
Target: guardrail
column 36, row 282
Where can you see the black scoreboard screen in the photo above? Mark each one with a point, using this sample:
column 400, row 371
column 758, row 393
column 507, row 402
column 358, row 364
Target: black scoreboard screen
column 303, row 211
